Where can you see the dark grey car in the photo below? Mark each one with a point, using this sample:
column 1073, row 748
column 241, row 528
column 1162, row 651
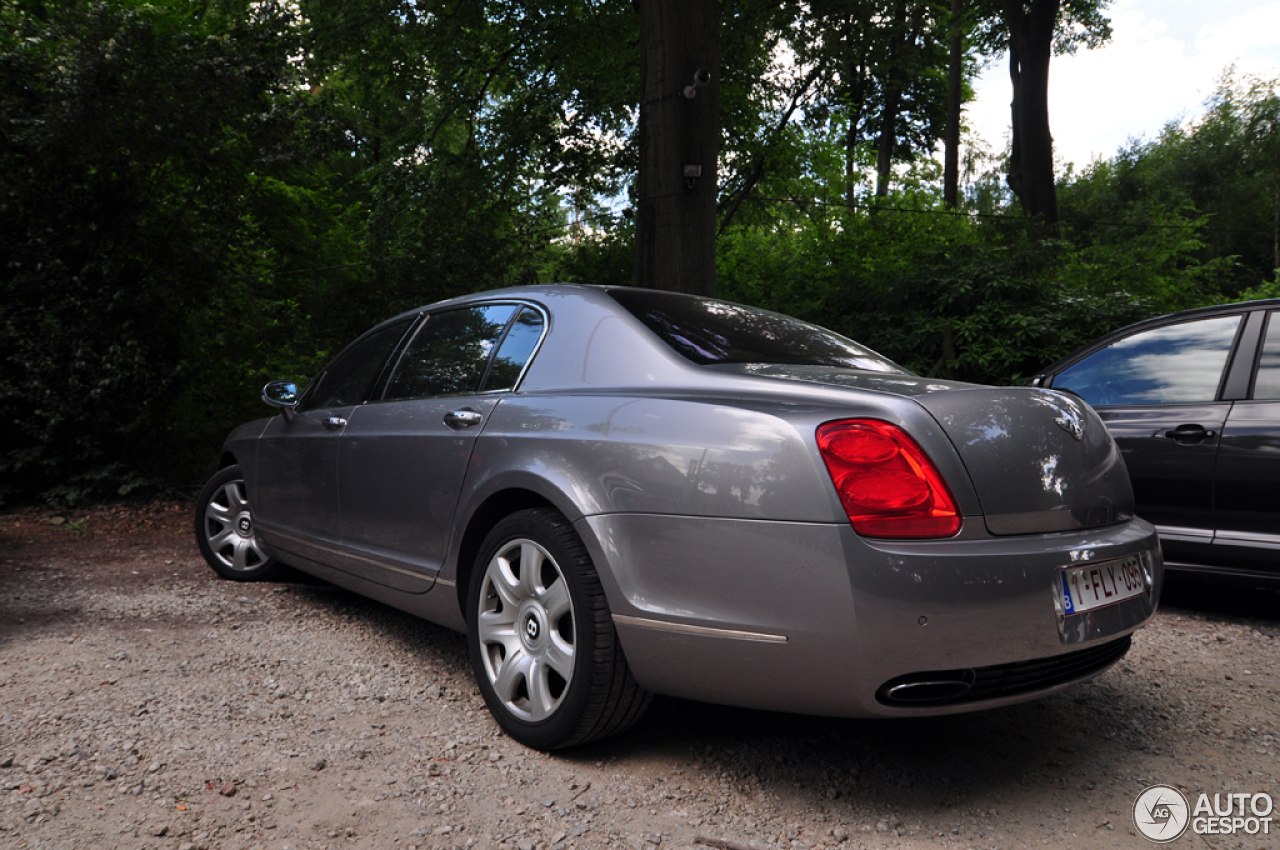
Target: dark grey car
column 618, row 492
column 1193, row 400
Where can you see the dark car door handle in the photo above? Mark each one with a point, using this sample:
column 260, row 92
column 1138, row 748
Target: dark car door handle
column 334, row 423
column 459, row 419
column 1189, row 434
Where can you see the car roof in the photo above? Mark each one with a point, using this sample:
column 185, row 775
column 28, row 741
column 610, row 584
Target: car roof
column 529, row 292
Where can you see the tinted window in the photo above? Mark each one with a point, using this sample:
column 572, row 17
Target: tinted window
column 1267, row 384
column 1178, row 363
column 514, row 352
column 349, row 376
column 707, row 332
column 449, row 354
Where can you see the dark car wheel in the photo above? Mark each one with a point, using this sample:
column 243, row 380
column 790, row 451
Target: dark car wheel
column 225, row 530
column 542, row 642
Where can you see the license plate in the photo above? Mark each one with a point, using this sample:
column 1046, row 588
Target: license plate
column 1100, row 585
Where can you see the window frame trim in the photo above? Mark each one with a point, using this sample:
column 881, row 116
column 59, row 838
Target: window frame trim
column 1260, row 342
column 379, row 376
column 424, row 319
column 1224, row 380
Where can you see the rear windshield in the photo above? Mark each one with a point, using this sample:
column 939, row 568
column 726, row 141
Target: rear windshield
column 711, row 332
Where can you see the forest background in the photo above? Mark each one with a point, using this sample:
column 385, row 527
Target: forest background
column 199, row 196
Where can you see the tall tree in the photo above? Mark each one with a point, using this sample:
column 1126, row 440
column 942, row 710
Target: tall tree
column 679, row 145
column 1031, row 28
column 955, row 98
column 1033, row 31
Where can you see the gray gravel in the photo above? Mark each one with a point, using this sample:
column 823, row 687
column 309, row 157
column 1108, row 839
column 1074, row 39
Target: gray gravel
column 146, row 704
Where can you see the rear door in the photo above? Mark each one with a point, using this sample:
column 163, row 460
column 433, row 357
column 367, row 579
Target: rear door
column 402, row 461
column 1248, row 478
column 1159, row 391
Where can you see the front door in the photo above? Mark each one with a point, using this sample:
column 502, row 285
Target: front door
column 1158, row 392
column 296, row 494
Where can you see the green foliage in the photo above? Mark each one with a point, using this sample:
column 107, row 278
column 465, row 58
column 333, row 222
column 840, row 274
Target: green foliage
column 962, row 297
column 188, row 209
column 1218, row 177
column 603, row 257
column 137, row 143
column 196, row 198
column 1186, row 220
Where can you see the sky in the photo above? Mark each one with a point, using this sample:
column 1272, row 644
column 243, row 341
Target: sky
column 1164, row 59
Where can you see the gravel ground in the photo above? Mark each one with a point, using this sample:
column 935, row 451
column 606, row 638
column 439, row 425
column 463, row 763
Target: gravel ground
column 146, row 704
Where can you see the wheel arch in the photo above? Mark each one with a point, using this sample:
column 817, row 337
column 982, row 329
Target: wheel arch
column 489, row 513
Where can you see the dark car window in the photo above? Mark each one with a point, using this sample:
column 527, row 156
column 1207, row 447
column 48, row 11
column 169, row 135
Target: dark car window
column 1267, row 384
column 349, row 376
column 1168, row 365
column 449, row 354
column 514, row 352
column 708, row 332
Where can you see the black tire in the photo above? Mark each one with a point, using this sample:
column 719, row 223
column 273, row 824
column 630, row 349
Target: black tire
column 543, row 646
column 225, row 530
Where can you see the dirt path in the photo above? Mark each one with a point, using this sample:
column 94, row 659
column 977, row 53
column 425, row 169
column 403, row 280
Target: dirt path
column 146, row 704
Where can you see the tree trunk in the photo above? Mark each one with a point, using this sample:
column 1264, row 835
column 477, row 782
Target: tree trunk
column 955, row 94
column 1031, row 154
column 894, row 83
column 855, row 91
column 676, row 213
column 888, row 138
column 851, row 138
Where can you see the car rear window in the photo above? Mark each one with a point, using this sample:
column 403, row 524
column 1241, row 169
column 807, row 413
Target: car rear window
column 710, row 332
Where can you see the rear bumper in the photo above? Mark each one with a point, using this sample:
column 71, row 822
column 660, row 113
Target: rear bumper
column 812, row 618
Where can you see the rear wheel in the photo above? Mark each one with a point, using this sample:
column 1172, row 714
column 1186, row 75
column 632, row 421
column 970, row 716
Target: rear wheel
column 542, row 642
column 225, row 530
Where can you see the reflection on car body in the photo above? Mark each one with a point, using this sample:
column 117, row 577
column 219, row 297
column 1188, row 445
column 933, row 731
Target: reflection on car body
column 618, row 492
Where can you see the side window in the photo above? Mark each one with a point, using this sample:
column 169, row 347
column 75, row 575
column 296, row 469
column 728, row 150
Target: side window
column 514, row 352
column 450, row 352
column 1177, row 363
column 1267, row 384
column 349, row 376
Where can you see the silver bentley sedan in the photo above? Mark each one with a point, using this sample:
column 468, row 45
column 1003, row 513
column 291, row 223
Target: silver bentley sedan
column 618, row 492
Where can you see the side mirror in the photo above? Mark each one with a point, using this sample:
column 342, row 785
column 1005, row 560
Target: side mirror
column 282, row 394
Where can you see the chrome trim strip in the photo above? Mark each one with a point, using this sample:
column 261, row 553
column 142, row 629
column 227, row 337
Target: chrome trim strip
column 1185, row 535
column 344, row 553
column 447, row 582
column 703, row 631
column 1248, row 538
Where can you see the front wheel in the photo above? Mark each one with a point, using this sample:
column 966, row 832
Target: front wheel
column 543, row 647
column 225, row 530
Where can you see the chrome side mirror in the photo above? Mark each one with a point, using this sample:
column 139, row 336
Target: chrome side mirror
column 282, row 394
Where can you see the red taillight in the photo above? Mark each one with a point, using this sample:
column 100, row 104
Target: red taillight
column 887, row 484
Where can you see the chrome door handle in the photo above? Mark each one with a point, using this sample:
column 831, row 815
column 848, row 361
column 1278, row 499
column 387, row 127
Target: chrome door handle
column 464, row 418
column 334, row 423
column 1190, row 433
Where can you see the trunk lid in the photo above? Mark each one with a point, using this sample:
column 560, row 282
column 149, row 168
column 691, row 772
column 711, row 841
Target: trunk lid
column 1040, row 460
